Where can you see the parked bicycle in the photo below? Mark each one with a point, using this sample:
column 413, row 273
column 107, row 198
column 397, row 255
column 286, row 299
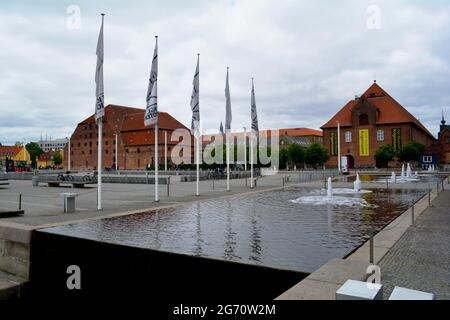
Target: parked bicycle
column 91, row 178
column 65, row 177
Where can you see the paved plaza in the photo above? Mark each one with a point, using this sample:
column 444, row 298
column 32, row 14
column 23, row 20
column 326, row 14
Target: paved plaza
column 420, row 260
column 43, row 204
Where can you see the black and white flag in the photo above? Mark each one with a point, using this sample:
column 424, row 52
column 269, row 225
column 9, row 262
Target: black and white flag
column 195, row 100
column 253, row 109
column 228, row 116
column 151, row 111
column 99, row 90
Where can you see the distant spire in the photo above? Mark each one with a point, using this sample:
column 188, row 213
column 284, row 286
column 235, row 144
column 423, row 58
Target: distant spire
column 443, row 118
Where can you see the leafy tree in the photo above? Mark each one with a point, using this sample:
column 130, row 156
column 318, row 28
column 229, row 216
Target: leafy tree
column 35, row 151
column 284, row 158
column 384, row 155
column 411, row 151
column 57, row 159
column 316, row 155
column 296, row 154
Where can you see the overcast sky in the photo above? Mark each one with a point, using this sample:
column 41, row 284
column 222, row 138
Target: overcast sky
column 308, row 59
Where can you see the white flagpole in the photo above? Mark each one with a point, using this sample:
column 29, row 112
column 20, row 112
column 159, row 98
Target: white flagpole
column 198, row 161
column 100, row 53
column 156, row 163
column 68, row 158
column 251, row 160
column 165, row 151
column 227, row 134
column 339, row 146
column 99, row 177
column 198, row 132
column 156, row 153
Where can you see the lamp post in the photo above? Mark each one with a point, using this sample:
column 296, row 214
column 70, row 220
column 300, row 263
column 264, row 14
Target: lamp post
column 117, row 160
column 245, row 148
column 68, row 154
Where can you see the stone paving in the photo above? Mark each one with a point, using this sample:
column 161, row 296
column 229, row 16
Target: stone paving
column 43, row 205
column 420, row 260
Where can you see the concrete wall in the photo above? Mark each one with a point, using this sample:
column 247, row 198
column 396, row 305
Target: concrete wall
column 15, row 242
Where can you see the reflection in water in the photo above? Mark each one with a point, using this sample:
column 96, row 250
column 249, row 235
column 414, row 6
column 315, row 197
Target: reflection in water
column 230, row 235
column 262, row 228
column 198, row 244
column 255, row 237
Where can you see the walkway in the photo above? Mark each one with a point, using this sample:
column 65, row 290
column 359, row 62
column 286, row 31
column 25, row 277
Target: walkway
column 420, row 260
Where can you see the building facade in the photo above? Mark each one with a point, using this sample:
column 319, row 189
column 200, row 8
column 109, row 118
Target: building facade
column 368, row 122
column 53, row 145
column 135, row 142
column 442, row 146
column 14, row 157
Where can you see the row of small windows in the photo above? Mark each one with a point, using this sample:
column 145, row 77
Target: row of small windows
column 349, row 136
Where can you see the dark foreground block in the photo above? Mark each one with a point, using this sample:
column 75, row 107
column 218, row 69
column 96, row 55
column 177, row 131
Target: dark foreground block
column 9, row 214
column 109, row 270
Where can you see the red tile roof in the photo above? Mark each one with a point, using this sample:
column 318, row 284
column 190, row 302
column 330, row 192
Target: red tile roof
column 390, row 111
column 10, row 149
column 111, row 109
column 47, row 156
column 165, row 122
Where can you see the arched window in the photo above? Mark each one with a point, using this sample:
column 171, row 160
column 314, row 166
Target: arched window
column 363, row 120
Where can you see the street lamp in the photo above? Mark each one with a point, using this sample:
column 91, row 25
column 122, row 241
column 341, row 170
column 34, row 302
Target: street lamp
column 68, row 154
column 117, row 160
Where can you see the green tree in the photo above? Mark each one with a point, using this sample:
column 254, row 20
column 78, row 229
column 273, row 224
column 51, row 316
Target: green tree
column 384, row 155
column 284, row 158
column 296, row 154
column 57, row 159
column 411, row 151
column 316, row 155
column 35, row 151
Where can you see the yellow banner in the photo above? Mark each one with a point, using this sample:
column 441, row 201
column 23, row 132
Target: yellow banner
column 364, row 150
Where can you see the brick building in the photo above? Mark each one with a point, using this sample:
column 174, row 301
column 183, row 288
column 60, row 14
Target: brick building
column 442, row 146
column 135, row 142
column 368, row 122
column 307, row 135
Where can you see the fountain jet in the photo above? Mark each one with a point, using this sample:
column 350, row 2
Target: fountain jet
column 393, row 178
column 330, row 189
column 357, row 184
column 409, row 171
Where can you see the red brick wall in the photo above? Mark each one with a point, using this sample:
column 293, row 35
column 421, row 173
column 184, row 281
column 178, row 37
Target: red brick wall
column 409, row 132
column 84, row 145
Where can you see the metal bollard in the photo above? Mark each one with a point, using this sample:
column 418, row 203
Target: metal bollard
column 429, row 197
column 283, row 182
column 412, row 214
column 371, row 246
column 168, row 187
column 246, row 184
column 20, row 201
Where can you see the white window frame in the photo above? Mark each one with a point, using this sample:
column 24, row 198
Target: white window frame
column 380, row 135
column 348, row 137
column 427, row 159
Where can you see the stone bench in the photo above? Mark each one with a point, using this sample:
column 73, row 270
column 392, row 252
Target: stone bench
column 358, row 290
column 408, row 294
